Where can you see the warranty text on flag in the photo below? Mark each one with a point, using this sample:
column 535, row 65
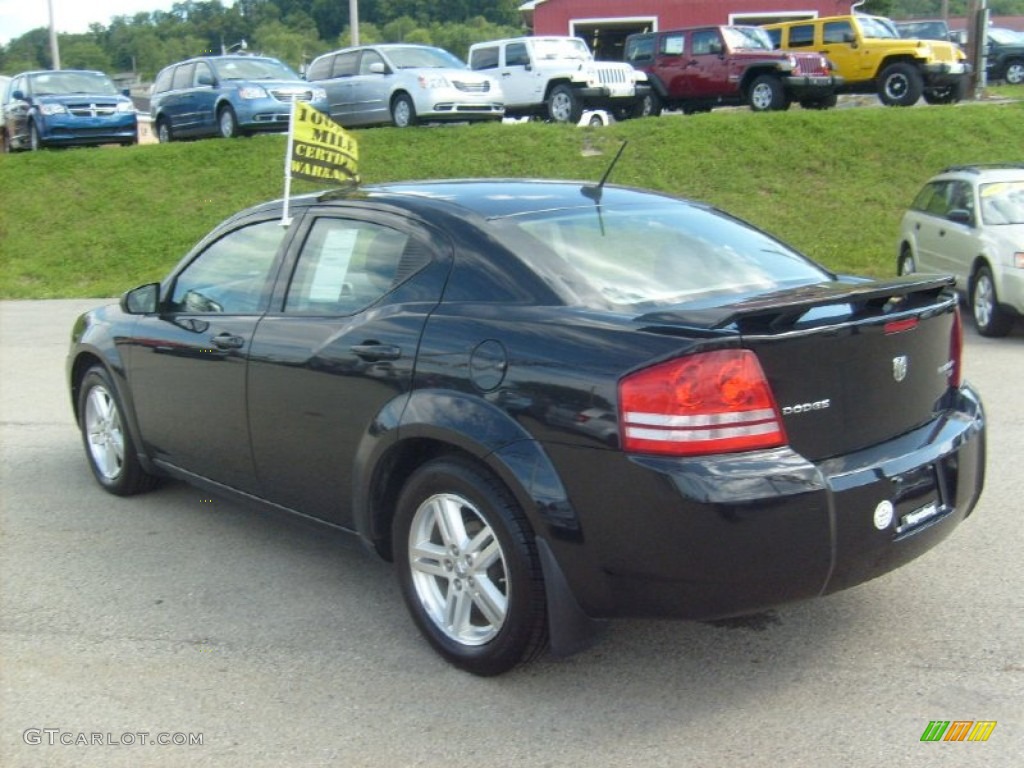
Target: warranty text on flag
column 321, row 150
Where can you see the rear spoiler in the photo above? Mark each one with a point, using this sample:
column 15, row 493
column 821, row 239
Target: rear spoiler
column 783, row 309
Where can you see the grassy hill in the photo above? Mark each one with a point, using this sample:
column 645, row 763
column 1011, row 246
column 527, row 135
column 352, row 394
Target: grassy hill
column 94, row 222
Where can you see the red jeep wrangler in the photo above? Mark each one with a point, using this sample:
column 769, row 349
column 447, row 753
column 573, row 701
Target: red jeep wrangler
column 697, row 69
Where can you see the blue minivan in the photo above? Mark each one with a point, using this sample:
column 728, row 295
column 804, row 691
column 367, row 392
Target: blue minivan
column 66, row 108
column 227, row 96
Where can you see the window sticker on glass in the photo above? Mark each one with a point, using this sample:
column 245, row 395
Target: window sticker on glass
column 332, row 267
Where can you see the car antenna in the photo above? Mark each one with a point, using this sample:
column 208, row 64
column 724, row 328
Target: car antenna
column 593, row 191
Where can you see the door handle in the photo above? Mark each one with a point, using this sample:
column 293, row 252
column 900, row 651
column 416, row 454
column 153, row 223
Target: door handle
column 227, row 341
column 374, row 351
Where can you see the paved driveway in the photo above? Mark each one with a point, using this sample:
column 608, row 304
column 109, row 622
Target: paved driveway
column 170, row 616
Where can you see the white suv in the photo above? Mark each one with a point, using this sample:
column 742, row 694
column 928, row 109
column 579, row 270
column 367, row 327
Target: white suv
column 969, row 221
column 557, row 78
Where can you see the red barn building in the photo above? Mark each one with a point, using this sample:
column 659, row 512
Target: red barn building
column 604, row 24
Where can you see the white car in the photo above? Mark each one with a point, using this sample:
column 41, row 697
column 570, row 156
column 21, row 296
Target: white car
column 968, row 221
column 558, row 78
column 403, row 85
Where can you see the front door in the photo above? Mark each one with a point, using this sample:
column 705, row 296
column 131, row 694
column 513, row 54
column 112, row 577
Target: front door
column 188, row 364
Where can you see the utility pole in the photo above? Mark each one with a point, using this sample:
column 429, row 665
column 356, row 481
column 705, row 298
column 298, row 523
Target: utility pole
column 54, row 49
column 353, row 20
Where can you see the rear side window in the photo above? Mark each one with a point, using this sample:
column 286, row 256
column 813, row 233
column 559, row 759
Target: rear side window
column 346, row 64
column 672, row 45
column 346, row 266
column 183, row 77
column 320, row 69
column 163, row 81
column 801, row 36
column 484, row 58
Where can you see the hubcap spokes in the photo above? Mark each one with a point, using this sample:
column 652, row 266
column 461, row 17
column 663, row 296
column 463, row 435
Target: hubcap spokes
column 104, row 433
column 458, row 569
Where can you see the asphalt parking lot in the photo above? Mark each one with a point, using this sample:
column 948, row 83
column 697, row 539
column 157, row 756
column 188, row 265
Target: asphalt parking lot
column 174, row 616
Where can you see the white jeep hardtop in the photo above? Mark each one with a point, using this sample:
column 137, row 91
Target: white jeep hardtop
column 558, row 77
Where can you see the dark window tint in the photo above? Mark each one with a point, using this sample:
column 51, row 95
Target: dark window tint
column 484, row 58
column 183, row 76
column 163, row 81
column 837, row 32
column 347, row 265
column 320, row 69
column 230, row 276
column 801, row 36
column 516, row 55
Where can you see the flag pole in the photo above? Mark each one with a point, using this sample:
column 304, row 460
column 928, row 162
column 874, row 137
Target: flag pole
column 285, row 218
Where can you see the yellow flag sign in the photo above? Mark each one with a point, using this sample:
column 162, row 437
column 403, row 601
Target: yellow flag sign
column 321, row 149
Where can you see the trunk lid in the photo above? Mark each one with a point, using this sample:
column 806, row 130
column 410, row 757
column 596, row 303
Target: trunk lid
column 850, row 364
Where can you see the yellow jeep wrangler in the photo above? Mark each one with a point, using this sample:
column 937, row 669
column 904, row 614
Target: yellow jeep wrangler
column 869, row 54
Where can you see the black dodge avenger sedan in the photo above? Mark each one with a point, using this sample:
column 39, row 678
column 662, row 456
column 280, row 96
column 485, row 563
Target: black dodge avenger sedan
column 548, row 403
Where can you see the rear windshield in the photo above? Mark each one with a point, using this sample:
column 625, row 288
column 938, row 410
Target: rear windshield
column 651, row 256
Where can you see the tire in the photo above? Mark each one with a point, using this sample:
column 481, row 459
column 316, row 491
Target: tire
column 163, row 131
column 650, row 106
column 767, row 94
column 988, row 317
column 35, row 141
column 403, row 111
column 905, row 264
column 227, row 123
column 468, row 567
column 900, row 85
column 564, row 104
column 108, row 445
column 596, row 121
column 1014, row 72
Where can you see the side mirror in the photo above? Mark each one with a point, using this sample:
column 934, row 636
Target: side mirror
column 143, row 300
column 377, row 68
column 961, row 216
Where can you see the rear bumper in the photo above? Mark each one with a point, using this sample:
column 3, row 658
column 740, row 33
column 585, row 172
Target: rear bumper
column 727, row 535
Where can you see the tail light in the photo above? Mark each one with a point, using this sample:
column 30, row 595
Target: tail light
column 956, row 350
column 712, row 402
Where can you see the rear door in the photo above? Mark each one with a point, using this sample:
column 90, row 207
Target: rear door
column 339, row 88
column 338, row 351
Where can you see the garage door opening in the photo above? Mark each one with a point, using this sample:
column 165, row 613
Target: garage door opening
column 607, row 37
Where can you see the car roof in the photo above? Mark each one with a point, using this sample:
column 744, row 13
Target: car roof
column 985, row 172
column 485, row 198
